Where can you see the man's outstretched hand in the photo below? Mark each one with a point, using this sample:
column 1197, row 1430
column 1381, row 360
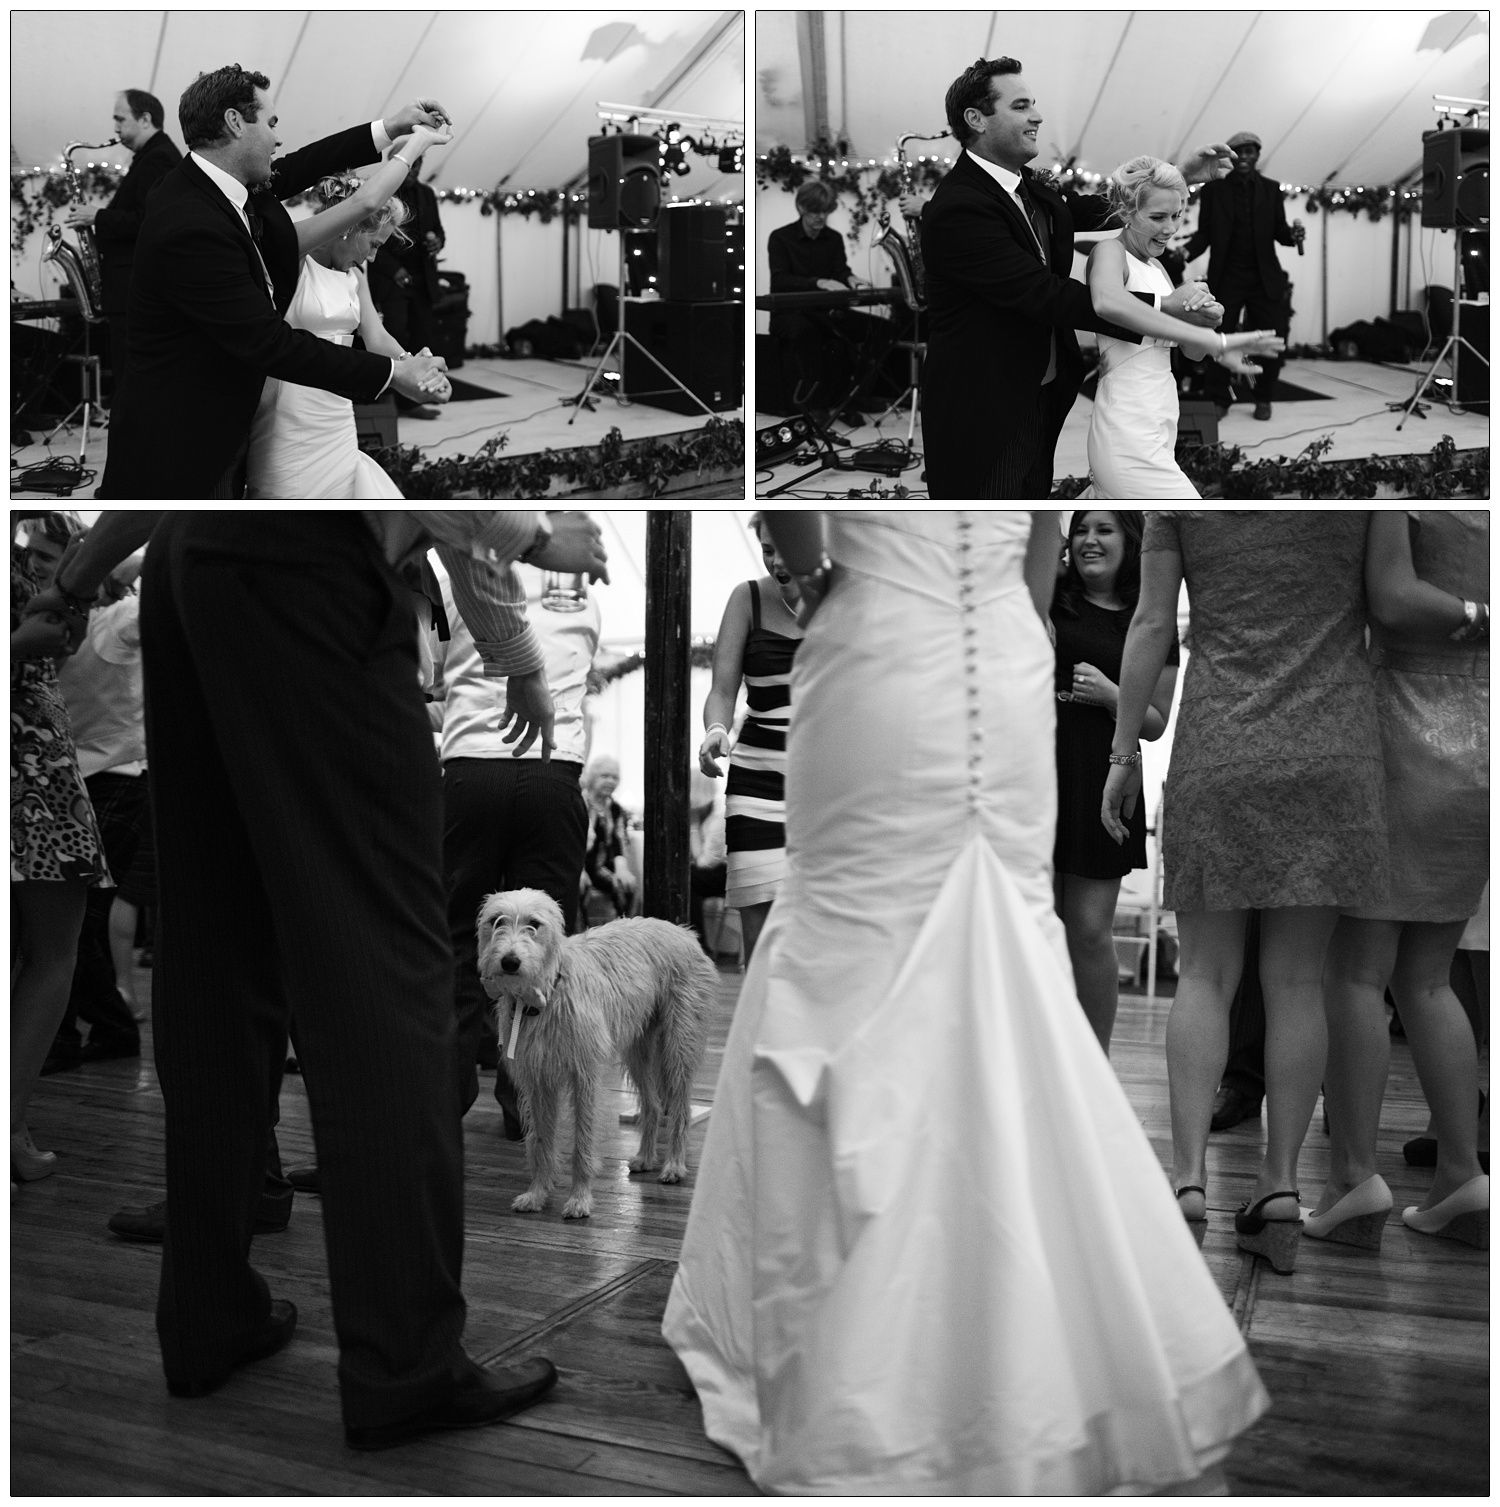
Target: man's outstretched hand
column 420, row 112
column 576, row 548
column 1194, row 303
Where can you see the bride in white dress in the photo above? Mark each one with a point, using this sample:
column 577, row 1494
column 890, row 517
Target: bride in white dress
column 303, row 442
column 931, row 1250
column 1133, row 431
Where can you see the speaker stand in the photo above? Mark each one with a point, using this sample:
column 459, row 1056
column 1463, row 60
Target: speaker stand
column 617, row 342
column 1450, row 347
column 90, row 408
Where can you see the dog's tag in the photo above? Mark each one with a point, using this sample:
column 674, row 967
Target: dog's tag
column 515, row 1032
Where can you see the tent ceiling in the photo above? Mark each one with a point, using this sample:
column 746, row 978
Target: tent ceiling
column 522, row 86
column 1341, row 96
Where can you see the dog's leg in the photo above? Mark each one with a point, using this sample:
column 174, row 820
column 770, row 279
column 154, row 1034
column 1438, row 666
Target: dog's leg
column 580, row 1202
column 541, row 1131
column 640, row 1063
column 678, row 1054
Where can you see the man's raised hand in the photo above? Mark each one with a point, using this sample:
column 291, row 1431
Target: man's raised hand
column 420, row 112
column 1208, row 163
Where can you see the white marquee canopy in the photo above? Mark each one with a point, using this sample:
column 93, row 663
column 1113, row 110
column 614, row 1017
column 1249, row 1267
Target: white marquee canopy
column 1336, row 96
column 522, row 86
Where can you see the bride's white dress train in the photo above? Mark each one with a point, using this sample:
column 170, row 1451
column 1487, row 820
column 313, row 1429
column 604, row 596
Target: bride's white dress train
column 931, row 1249
column 303, row 442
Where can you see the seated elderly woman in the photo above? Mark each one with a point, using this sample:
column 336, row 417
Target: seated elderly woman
column 608, row 883
column 833, row 351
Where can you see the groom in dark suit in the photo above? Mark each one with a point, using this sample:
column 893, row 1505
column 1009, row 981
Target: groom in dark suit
column 1003, row 365
column 215, row 270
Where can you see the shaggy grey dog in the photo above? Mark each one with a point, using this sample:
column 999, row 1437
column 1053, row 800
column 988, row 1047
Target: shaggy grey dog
column 635, row 991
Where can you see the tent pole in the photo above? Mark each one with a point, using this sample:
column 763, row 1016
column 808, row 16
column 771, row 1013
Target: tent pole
column 565, row 259
column 812, row 54
column 499, row 282
column 1325, row 276
column 1395, row 255
column 669, row 556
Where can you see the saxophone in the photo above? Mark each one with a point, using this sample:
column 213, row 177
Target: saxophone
column 906, row 254
column 80, row 264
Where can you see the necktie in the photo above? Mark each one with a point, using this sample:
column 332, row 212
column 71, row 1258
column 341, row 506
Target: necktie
column 257, row 224
column 1044, row 241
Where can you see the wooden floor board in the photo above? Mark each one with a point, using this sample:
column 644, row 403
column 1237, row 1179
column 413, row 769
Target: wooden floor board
column 1377, row 1365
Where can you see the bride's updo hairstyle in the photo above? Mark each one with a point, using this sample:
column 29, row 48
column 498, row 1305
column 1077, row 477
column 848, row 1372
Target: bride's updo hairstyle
column 335, row 189
column 1133, row 180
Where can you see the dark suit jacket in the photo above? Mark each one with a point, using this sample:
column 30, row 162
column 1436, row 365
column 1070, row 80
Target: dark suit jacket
column 416, row 259
column 993, row 307
column 1216, row 222
column 204, row 333
column 116, row 227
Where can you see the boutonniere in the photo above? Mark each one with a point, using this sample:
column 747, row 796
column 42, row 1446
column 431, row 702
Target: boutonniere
column 1043, row 175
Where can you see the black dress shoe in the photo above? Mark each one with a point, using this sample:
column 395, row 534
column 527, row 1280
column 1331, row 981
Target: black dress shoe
column 1232, row 1106
column 279, row 1326
column 62, row 1059
column 490, row 1394
column 1262, row 410
column 148, row 1222
column 305, row 1179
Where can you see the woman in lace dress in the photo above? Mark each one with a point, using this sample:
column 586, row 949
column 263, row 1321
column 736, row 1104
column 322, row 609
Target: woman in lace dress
column 1274, row 801
column 303, row 442
column 931, row 1250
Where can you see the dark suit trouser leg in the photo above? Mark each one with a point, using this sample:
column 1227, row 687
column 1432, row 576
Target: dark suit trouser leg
column 119, row 357
column 1017, row 443
column 507, row 824
column 298, row 824
column 1246, row 1068
column 1054, row 405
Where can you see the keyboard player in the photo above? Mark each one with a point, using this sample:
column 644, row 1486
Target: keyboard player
column 830, row 349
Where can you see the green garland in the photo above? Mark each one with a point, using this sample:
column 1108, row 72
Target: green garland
column 718, row 445
column 869, row 187
column 1222, row 471
column 37, row 196
column 700, row 657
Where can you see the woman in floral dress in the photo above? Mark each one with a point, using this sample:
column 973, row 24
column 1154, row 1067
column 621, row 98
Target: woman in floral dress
column 55, row 852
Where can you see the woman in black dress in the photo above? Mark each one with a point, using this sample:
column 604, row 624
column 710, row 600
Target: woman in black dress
column 1090, row 616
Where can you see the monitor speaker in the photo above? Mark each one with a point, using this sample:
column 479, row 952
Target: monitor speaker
column 690, row 247
column 624, row 182
column 701, row 344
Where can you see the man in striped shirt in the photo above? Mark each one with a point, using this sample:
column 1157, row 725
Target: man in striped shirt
column 298, row 812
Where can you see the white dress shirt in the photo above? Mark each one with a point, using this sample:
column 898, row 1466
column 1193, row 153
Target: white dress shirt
column 238, row 195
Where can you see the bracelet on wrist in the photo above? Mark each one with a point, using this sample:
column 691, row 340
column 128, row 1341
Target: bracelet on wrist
column 716, row 727
column 1476, row 623
column 1127, row 759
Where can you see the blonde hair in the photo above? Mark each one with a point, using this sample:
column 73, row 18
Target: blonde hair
column 340, row 186
column 1133, row 180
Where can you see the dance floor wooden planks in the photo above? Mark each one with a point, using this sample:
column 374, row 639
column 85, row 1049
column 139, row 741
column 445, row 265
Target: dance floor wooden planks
column 1377, row 1366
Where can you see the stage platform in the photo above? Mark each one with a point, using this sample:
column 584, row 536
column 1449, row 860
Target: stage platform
column 1351, row 411
column 531, row 406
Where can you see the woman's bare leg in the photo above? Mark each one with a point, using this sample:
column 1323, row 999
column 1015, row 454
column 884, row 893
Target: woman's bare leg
column 1088, row 915
column 51, row 915
column 1442, row 1047
column 1361, row 958
column 1212, row 957
column 1293, row 948
column 752, row 919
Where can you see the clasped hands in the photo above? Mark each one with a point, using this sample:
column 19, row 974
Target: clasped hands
column 422, row 377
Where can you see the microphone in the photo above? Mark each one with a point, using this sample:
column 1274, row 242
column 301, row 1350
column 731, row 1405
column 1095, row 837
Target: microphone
column 1297, row 225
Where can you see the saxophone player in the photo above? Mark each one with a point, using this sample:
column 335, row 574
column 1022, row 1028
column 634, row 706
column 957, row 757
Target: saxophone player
column 138, row 124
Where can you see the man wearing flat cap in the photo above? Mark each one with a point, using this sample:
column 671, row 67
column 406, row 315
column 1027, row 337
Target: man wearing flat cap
column 1240, row 220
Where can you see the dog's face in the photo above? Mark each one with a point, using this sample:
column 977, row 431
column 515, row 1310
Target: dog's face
column 520, row 936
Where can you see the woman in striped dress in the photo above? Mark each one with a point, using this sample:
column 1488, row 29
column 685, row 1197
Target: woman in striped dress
column 757, row 639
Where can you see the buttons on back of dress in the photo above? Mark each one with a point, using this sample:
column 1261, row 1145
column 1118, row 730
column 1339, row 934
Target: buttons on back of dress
column 974, row 739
